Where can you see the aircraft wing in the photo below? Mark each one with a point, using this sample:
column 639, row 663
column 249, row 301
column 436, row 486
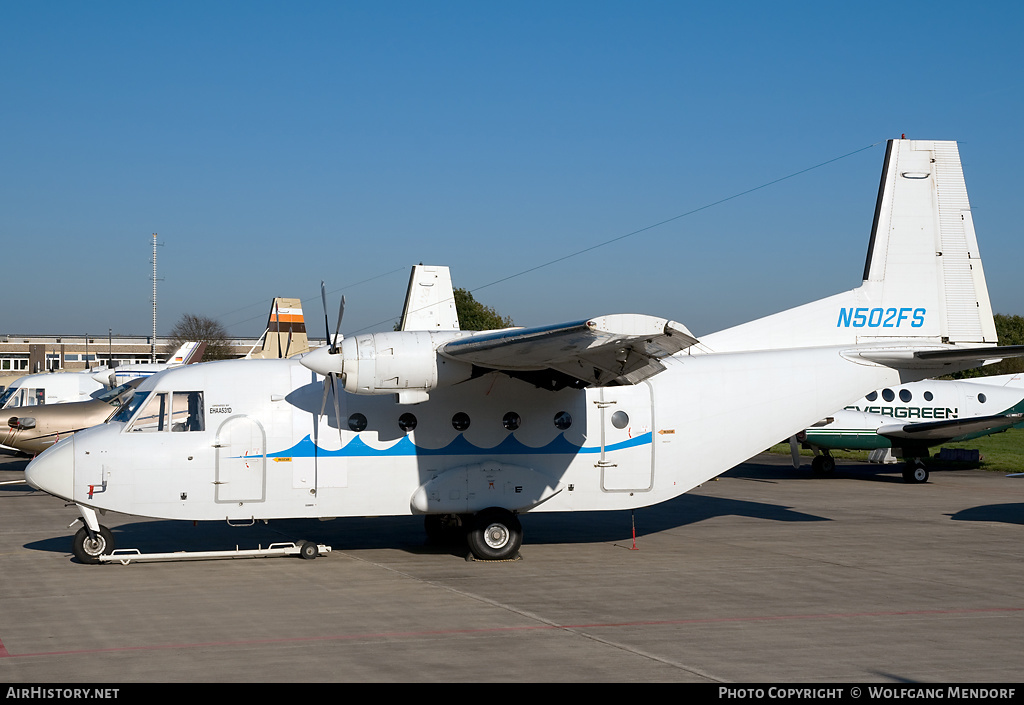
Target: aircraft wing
column 613, row 349
column 948, row 429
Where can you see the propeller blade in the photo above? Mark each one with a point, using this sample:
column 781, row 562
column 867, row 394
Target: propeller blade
column 337, row 328
column 337, row 408
column 794, row 450
column 277, row 316
column 323, row 298
column 323, row 403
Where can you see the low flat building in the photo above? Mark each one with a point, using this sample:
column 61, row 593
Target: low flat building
column 28, row 354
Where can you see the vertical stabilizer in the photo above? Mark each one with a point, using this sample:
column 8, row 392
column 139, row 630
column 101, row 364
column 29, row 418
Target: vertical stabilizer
column 923, row 278
column 188, row 353
column 430, row 300
column 923, row 233
column 286, row 331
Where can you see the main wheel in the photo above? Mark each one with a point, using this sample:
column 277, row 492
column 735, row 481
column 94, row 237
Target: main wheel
column 823, row 464
column 915, row 472
column 89, row 550
column 495, row 535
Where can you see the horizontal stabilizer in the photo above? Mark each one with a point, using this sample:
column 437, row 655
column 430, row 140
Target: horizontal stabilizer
column 948, row 429
column 614, row 349
column 936, row 359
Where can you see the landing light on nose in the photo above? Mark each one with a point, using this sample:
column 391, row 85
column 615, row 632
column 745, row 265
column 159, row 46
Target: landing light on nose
column 53, row 470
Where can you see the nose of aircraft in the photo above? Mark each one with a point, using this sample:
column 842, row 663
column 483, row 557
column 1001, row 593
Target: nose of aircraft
column 53, row 470
column 322, row 361
column 104, row 377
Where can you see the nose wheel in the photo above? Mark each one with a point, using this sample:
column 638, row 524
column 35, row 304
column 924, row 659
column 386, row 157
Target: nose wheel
column 88, row 545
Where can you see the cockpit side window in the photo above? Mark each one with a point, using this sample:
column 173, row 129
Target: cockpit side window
column 187, row 412
column 170, row 411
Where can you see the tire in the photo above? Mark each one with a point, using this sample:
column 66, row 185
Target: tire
column 308, row 550
column 823, row 464
column 495, row 535
column 915, row 473
column 89, row 550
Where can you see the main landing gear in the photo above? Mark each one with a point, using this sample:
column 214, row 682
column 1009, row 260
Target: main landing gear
column 823, row 464
column 915, row 471
column 492, row 535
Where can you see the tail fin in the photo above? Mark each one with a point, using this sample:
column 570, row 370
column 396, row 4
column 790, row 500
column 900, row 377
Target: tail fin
column 196, row 355
column 189, row 352
column 923, row 278
column 286, row 331
column 430, row 300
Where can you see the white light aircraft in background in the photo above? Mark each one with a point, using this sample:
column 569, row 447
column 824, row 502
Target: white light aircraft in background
column 110, row 377
column 608, row 413
column 63, row 387
column 911, row 418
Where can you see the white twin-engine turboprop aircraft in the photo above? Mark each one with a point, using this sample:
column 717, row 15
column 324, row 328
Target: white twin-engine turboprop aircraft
column 612, row 412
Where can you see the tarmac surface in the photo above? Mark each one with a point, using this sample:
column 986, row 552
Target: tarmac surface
column 766, row 575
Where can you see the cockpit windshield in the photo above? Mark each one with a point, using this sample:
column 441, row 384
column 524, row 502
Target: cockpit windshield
column 111, row 395
column 125, row 413
column 7, row 395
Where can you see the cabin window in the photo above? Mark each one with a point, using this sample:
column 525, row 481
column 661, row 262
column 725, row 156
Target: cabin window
column 928, row 396
column 982, row 398
column 872, row 396
column 905, row 395
column 357, row 422
column 620, row 419
column 563, row 420
column 511, row 421
column 888, row 394
column 460, row 422
column 407, row 422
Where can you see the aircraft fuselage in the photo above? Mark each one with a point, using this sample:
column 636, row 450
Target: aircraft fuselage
column 262, row 449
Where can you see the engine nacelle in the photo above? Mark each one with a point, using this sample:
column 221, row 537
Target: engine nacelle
column 401, row 362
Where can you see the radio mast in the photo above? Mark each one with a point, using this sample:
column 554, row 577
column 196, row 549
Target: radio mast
column 152, row 341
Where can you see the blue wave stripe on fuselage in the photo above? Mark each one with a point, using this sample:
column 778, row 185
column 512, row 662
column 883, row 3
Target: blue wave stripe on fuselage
column 356, row 448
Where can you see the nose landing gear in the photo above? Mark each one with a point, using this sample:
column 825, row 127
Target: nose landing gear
column 89, row 545
column 92, row 540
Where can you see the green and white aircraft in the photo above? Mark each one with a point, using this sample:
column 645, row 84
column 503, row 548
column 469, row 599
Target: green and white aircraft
column 911, row 418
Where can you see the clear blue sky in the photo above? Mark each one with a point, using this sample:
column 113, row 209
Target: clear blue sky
column 273, row 145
